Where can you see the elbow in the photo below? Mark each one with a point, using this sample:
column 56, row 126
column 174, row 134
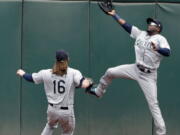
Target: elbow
column 28, row 77
column 165, row 52
column 127, row 27
column 168, row 53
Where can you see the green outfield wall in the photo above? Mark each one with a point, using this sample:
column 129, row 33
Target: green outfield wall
column 32, row 30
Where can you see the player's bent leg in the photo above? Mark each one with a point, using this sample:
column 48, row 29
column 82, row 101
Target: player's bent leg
column 122, row 71
column 150, row 91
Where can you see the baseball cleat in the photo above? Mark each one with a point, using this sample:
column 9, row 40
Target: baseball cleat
column 92, row 91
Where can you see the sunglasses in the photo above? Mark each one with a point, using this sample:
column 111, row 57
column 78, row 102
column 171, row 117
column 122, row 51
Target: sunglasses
column 153, row 24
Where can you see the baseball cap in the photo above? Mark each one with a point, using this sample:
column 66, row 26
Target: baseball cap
column 157, row 22
column 61, row 55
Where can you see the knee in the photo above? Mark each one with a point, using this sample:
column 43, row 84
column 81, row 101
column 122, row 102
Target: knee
column 52, row 125
column 109, row 72
column 153, row 103
column 48, row 129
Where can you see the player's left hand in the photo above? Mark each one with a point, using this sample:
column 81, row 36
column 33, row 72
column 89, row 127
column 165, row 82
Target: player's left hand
column 20, row 72
column 87, row 83
column 106, row 7
column 112, row 13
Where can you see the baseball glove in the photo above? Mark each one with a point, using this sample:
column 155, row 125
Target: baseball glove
column 106, row 6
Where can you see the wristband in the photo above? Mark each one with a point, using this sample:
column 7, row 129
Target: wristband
column 116, row 17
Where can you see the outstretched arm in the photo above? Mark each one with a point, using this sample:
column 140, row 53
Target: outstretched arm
column 121, row 21
column 26, row 76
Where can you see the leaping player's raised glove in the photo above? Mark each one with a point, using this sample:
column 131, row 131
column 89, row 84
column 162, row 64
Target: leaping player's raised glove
column 106, row 6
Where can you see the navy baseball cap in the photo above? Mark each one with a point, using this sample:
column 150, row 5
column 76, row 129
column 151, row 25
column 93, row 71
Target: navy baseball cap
column 157, row 22
column 61, row 55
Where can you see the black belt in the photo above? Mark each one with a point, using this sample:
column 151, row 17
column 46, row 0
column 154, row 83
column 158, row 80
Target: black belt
column 62, row 107
column 143, row 69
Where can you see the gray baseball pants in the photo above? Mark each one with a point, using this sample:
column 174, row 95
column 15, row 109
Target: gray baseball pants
column 57, row 116
column 147, row 82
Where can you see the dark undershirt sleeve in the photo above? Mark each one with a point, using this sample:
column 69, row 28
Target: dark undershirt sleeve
column 164, row 51
column 28, row 77
column 127, row 27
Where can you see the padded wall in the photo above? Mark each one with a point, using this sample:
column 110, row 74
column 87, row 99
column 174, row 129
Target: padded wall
column 10, row 52
column 95, row 42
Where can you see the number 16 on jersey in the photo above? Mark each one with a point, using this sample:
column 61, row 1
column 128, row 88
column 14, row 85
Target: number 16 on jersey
column 59, row 86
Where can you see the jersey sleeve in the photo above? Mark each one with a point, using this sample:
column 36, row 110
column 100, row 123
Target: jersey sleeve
column 163, row 43
column 135, row 32
column 38, row 77
column 77, row 78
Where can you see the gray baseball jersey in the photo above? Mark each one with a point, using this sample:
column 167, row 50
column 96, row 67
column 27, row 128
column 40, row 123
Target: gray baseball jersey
column 59, row 89
column 145, row 55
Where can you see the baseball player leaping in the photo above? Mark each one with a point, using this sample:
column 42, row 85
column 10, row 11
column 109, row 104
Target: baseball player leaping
column 150, row 47
column 59, row 84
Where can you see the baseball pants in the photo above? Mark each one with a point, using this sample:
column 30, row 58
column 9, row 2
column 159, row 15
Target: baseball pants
column 147, row 82
column 57, row 116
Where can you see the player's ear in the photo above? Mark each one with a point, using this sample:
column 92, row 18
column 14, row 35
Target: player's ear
column 158, row 29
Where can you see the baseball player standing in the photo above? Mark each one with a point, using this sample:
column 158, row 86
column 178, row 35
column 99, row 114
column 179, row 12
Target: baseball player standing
column 150, row 47
column 59, row 84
